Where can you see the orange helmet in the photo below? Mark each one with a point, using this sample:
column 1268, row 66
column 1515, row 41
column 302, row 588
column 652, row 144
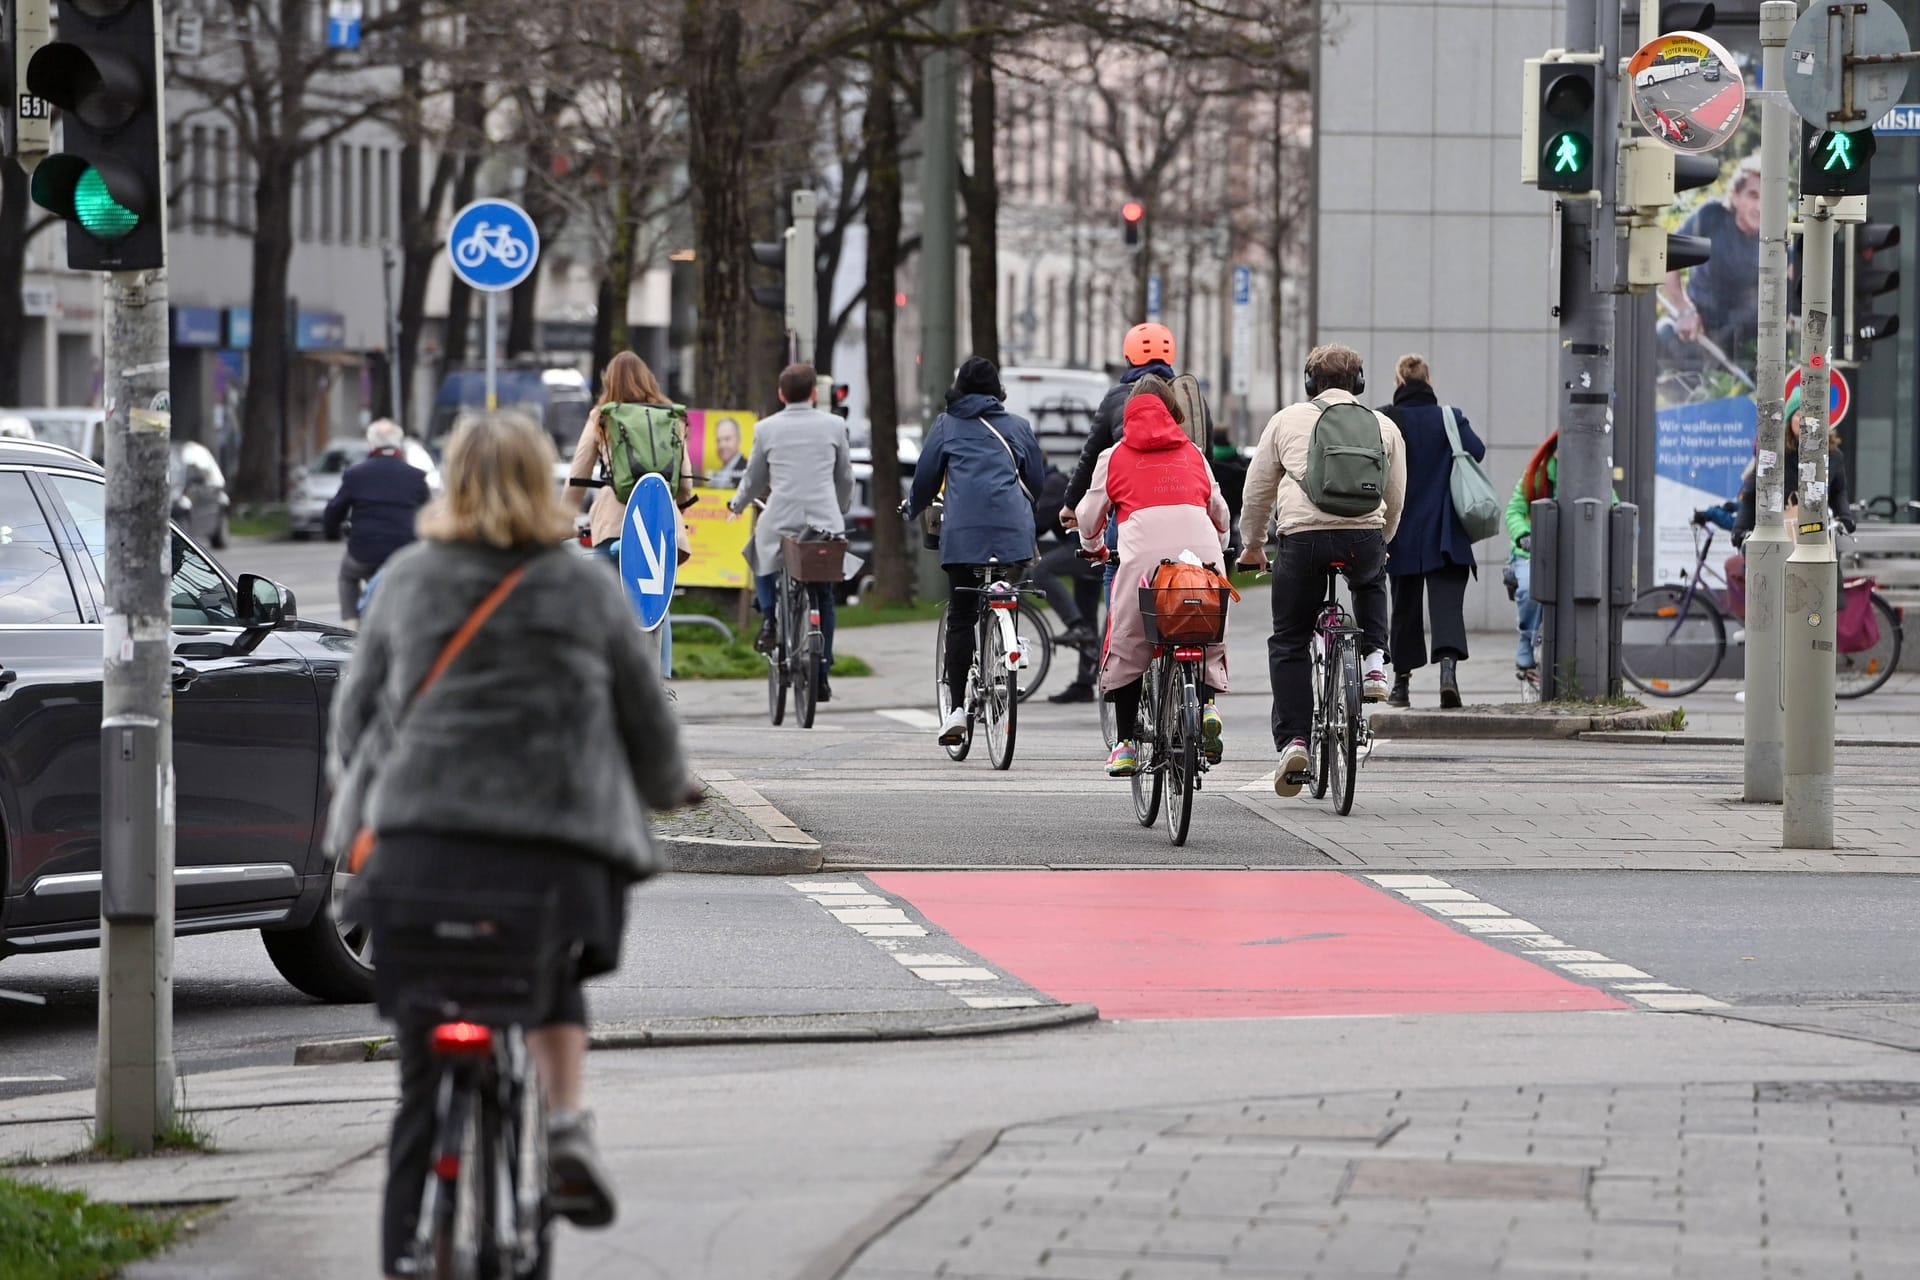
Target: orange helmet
column 1146, row 343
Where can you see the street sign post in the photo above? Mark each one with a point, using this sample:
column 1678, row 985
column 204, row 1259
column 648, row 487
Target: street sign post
column 1839, row 394
column 492, row 246
column 1242, row 372
column 649, row 556
column 1687, row 90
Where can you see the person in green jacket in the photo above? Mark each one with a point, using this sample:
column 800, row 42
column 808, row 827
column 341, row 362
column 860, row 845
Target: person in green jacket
column 1539, row 480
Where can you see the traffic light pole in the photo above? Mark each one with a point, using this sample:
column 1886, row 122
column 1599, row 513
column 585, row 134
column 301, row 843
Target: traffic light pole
column 1811, row 580
column 1767, row 546
column 134, row 1070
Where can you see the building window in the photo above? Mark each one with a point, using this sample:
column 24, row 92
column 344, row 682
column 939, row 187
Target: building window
column 346, row 193
column 304, row 180
column 325, row 155
column 386, row 195
column 197, row 180
column 222, row 179
column 366, row 194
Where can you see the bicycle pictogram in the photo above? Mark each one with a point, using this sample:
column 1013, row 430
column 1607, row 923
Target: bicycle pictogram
column 492, row 245
column 489, row 241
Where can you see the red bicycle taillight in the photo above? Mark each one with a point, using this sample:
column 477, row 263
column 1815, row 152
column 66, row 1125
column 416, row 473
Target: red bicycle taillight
column 452, row 1039
column 813, row 617
column 1003, row 604
column 447, row 1168
column 1189, row 653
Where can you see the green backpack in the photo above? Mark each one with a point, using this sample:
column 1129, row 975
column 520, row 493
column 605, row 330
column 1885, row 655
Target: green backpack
column 644, row 439
column 1346, row 460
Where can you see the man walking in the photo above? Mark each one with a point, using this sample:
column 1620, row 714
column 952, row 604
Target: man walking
column 1334, row 475
column 378, row 499
column 802, row 464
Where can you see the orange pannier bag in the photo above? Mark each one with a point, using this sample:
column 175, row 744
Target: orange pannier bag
column 1186, row 603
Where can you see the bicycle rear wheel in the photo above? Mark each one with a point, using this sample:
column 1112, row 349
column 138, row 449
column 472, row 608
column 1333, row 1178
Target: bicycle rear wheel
column 999, row 695
column 1672, row 641
column 1037, row 643
column 1320, row 744
column 462, row 1218
column 1148, row 778
column 942, row 698
column 1182, row 735
column 1344, row 741
column 803, row 660
column 1855, row 675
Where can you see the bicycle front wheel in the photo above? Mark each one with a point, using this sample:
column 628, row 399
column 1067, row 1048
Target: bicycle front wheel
column 1344, row 742
column 1672, row 640
column 1182, row 735
column 1036, row 642
column 999, row 694
column 1855, row 675
column 942, row 696
column 1320, row 745
column 1148, row 777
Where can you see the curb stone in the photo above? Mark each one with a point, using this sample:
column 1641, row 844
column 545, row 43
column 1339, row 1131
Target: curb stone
column 666, row 1033
column 737, row 831
column 1729, row 739
column 1473, row 723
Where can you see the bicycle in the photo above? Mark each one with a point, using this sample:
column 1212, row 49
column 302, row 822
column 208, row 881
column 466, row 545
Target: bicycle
column 1000, row 654
column 1171, row 760
column 798, row 654
column 1674, row 636
column 488, row 241
column 1340, row 738
column 473, row 969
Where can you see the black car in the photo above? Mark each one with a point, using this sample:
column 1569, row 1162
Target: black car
column 252, row 685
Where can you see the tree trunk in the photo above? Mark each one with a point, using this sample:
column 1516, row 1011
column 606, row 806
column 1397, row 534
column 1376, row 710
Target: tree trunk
column 983, row 211
column 717, row 177
column 620, row 265
column 546, row 213
column 13, row 269
column 891, row 578
column 459, row 296
column 264, row 410
column 419, row 228
column 603, row 347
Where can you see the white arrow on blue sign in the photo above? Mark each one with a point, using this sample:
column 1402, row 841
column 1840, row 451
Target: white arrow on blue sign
column 649, row 555
column 492, row 245
column 343, row 24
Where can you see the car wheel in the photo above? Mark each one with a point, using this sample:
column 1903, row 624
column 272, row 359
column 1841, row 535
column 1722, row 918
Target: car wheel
column 328, row 959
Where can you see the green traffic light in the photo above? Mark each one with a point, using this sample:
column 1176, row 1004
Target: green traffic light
column 1566, row 154
column 99, row 213
column 1839, row 152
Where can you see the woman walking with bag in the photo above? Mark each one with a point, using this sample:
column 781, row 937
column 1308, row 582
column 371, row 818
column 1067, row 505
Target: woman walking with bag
column 1431, row 556
column 502, row 729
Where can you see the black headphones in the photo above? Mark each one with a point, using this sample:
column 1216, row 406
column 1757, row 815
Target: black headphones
column 1314, row 388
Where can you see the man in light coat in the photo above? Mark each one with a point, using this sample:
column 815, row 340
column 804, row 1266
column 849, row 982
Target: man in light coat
column 802, row 466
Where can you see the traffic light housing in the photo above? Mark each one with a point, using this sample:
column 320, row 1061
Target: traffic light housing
column 1568, row 125
column 841, row 392
column 1652, row 174
column 1133, row 214
column 1870, row 273
column 772, row 253
column 109, row 182
column 1834, row 163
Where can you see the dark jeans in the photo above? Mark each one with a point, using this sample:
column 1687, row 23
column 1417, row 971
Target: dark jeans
column 353, row 584
column 766, row 591
column 1300, row 570
column 1074, row 587
column 1445, row 590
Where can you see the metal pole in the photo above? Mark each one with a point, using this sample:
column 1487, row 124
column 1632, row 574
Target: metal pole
column 134, row 1069
column 493, row 398
column 1812, row 571
column 938, row 232
column 1767, row 546
column 395, row 407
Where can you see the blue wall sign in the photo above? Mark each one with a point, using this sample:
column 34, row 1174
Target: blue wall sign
column 492, row 245
column 239, row 328
column 343, row 24
column 320, row 331
column 1242, row 286
column 649, row 550
column 1901, row 122
column 196, row 326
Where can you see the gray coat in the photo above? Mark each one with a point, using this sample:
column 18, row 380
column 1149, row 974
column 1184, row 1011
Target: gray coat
column 802, row 456
column 551, row 724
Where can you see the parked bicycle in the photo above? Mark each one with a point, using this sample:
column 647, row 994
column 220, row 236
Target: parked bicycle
column 1172, row 760
column 1340, row 738
column 1001, row 655
column 808, row 569
column 1674, row 636
column 473, row 970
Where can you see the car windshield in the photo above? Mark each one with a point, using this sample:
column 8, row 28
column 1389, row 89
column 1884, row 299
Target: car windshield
column 338, row 458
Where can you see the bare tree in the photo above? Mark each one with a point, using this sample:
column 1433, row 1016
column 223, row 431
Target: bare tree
column 883, row 145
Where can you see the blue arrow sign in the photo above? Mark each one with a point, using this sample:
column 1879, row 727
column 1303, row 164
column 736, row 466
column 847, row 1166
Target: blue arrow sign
column 649, row 550
column 492, row 245
column 343, row 33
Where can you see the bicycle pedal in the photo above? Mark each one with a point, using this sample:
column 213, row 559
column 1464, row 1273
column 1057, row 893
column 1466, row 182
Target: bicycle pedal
column 1304, row 777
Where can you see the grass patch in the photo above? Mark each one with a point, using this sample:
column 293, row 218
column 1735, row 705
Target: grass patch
column 739, row 661
column 1674, row 721
column 259, row 522
column 62, row 1235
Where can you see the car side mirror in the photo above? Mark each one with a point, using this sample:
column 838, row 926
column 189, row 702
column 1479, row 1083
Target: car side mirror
column 264, row 603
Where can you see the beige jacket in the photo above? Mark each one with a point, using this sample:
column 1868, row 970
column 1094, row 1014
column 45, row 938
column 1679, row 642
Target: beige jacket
column 607, row 513
column 1281, row 456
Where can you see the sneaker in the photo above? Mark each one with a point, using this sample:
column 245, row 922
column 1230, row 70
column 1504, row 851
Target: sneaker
column 1078, row 636
column 1402, row 695
column 953, row 730
column 1294, row 761
column 1373, row 677
column 1075, row 692
column 1210, row 733
column 581, row 1192
column 1529, row 678
column 1125, row 760
column 823, row 692
column 768, row 638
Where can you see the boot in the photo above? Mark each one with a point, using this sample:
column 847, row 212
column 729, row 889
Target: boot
column 1449, row 684
column 1402, row 695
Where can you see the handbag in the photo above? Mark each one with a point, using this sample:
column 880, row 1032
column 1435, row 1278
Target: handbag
column 1183, row 603
column 362, row 848
column 1474, row 498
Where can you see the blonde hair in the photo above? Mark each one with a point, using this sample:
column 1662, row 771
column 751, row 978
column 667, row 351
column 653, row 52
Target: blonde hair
column 497, row 486
column 1412, row 368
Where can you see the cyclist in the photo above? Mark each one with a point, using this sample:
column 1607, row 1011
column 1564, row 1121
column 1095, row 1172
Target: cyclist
column 527, row 769
column 802, row 464
column 380, row 496
column 1150, row 351
column 1160, row 489
column 1074, row 587
column 991, row 464
column 1313, row 541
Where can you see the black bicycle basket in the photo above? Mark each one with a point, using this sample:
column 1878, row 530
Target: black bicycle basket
column 483, row 957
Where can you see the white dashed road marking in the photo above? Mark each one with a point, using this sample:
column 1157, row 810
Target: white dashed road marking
column 1459, row 907
column 877, row 918
column 913, row 717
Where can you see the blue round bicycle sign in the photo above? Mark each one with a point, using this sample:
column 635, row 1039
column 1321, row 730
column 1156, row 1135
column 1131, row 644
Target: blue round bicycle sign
column 493, row 245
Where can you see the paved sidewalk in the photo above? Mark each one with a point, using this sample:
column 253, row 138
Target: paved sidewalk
column 1693, row 1180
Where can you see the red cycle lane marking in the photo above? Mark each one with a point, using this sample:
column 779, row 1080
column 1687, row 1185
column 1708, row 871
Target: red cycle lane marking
column 1229, row 944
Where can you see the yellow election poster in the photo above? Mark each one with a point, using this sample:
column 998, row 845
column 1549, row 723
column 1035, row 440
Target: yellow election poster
column 719, row 442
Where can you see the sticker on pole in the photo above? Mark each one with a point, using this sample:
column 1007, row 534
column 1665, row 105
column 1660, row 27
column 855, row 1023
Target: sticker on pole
column 1839, row 394
column 1687, row 90
column 1824, row 90
column 649, row 550
column 492, row 245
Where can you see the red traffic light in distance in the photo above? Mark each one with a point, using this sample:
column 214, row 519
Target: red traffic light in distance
column 1132, row 215
column 1132, row 211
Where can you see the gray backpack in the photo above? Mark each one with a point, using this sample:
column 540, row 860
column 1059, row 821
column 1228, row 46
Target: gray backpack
column 1346, row 460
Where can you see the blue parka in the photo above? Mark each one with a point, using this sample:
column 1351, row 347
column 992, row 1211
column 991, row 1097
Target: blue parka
column 987, row 517
column 1431, row 536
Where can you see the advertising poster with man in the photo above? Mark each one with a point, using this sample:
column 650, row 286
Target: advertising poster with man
column 719, row 442
column 1708, row 328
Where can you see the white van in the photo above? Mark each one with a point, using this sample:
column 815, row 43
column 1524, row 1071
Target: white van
column 1060, row 405
column 76, row 429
